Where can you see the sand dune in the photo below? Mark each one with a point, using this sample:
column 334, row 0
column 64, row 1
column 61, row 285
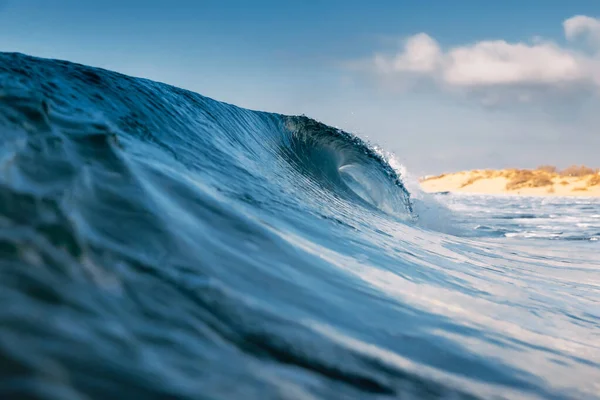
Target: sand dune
column 544, row 181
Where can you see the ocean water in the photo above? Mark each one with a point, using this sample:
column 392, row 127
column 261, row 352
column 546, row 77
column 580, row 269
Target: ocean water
column 157, row 244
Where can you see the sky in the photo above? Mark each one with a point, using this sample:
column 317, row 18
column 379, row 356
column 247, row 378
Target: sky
column 445, row 85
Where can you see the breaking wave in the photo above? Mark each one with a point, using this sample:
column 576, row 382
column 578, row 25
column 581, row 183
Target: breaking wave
column 155, row 243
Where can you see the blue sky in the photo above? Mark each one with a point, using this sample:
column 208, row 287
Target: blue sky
column 445, row 85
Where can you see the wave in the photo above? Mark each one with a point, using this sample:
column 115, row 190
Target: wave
column 155, row 243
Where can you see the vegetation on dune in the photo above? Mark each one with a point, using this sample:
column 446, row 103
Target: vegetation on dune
column 471, row 180
column 551, row 169
column 578, row 171
column 542, row 176
column 572, row 171
column 594, row 180
column 528, row 179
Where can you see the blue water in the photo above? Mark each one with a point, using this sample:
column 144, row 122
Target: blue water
column 157, row 244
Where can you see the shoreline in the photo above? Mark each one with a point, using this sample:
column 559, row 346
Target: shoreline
column 544, row 181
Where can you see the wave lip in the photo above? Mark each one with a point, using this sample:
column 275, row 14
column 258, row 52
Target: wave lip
column 345, row 163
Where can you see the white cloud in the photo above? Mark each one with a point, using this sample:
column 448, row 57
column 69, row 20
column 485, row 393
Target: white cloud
column 421, row 54
column 499, row 70
column 501, row 63
column 583, row 26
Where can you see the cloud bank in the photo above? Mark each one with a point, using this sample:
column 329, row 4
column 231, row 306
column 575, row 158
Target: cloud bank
column 497, row 70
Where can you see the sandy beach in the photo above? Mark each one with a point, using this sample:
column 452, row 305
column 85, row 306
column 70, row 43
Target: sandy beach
column 544, row 181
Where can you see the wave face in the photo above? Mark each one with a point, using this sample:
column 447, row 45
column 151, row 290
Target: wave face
column 155, row 243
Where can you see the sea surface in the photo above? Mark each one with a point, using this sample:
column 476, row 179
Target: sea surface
column 157, row 244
